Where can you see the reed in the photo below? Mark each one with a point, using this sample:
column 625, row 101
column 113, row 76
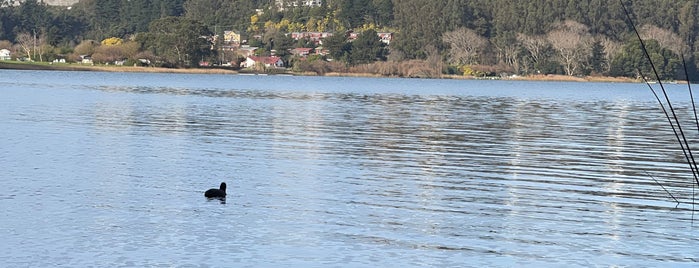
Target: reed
column 668, row 192
column 669, row 112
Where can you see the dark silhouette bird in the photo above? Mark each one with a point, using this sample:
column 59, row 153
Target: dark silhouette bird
column 216, row 193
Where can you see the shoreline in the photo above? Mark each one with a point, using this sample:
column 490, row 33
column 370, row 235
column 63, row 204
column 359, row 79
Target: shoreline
column 13, row 65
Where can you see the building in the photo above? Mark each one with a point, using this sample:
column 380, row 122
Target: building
column 64, row 3
column 267, row 62
column 302, row 51
column 5, row 54
column 59, row 2
column 284, row 4
column 231, row 37
column 315, row 37
column 86, row 59
column 386, row 38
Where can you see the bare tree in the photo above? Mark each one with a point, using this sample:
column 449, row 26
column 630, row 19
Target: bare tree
column 5, row 44
column 666, row 38
column 507, row 48
column 113, row 53
column 86, row 47
column 571, row 40
column 108, row 54
column 40, row 45
column 611, row 49
column 434, row 61
column 26, row 43
column 466, row 45
column 535, row 45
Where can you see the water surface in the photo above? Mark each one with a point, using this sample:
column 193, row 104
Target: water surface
column 109, row 169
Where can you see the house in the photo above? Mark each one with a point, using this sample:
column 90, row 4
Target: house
column 321, row 51
column 385, row 37
column 283, row 4
column 301, row 51
column 86, row 59
column 5, row 54
column 267, row 62
column 231, row 37
column 59, row 2
column 315, row 37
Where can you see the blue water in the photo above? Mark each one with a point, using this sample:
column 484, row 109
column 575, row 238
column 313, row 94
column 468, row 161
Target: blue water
column 109, row 170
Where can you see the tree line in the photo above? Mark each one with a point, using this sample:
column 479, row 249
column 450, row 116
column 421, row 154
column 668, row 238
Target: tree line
column 470, row 37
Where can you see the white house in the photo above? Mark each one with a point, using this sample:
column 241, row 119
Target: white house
column 86, row 59
column 273, row 62
column 5, row 54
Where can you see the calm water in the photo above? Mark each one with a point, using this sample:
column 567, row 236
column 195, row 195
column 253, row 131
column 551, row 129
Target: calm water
column 109, row 170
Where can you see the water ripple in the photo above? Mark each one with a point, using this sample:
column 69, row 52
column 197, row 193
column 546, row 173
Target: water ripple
column 435, row 176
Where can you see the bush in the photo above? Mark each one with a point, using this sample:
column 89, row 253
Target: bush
column 411, row 68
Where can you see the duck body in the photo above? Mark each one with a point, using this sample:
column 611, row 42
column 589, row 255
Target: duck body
column 216, row 193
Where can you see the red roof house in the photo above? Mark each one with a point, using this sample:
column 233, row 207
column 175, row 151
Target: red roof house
column 268, row 62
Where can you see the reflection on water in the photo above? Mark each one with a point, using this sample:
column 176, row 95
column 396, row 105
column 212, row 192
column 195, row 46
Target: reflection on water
column 339, row 176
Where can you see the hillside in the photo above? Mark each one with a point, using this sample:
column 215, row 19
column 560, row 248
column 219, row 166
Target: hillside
column 471, row 37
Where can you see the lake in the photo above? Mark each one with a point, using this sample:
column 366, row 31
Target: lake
column 109, row 170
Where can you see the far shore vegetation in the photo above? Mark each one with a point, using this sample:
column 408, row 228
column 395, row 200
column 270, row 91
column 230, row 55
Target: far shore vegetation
column 18, row 65
column 567, row 40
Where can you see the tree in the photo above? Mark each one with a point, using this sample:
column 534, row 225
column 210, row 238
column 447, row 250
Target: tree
column 203, row 10
column 417, row 31
column 367, row 48
column 86, row 47
column 507, row 50
column 537, row 54
column 611, row 49
column 571, row 41
column 633, row 62
column 66, row 28
column 280, row 43
column 26, row 43
column 597, row 61
column 112, row 41
column 178, row 41
column 382, row 12
column 338, row 46
column 352, row 12
column 107, row 17
column 688, row 22
column 4, row 44
column 115, row 51
column 665, row 38
column 465, row 46
column 32, row 44
column 32, row 17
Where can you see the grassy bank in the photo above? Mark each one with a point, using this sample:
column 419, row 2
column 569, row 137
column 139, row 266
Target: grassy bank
column 15, row 65
column 106, row 68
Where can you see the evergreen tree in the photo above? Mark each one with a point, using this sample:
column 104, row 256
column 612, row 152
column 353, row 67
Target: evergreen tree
column 367, row 48
column 338, row 46
column 178, row 41
column 632, row 61
column 352, row 12
column 382, row 12
column 32, row 17
column 597, row 59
